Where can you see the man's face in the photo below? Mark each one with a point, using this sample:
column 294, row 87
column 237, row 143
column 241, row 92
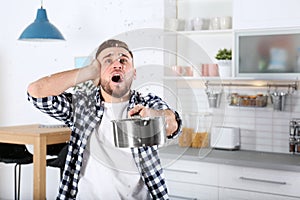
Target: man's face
column 117, row 71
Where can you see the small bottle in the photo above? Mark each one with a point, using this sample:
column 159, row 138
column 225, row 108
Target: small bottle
column 292, row 145
column 298, row 145
column 234, row 99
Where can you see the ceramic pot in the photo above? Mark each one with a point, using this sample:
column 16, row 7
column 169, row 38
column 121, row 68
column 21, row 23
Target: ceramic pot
column 225, row 68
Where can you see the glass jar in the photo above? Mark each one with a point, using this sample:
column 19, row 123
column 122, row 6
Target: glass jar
column 234, row 99
column 201, row 124
column 185, row 139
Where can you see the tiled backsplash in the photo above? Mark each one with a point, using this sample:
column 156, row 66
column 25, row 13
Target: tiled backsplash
column 262, row 128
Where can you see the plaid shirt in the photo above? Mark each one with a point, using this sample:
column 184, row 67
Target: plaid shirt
column 82, row 112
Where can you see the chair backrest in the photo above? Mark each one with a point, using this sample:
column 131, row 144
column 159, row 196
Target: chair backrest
column 8, row 150
column 60, row 160
column 54, row 149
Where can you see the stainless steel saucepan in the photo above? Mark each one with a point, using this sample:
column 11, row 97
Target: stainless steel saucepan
column 138, row 132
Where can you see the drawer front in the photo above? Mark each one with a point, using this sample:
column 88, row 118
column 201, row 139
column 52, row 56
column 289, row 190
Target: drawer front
column 188, row 191
column 261, row 180
column 225, row 194
column 192, row 172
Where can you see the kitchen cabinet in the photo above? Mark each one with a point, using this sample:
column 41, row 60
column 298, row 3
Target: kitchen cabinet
column 192, row 172
column 179, row 190
column 268, row 53
column 234, row 194
column 257, row 183
column 254, row 14
column 191, row 180
column 266, row 38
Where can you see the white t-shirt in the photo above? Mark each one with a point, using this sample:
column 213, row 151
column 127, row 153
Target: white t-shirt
column 109, row 172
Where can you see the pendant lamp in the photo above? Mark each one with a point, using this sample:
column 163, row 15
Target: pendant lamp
column 41, row 29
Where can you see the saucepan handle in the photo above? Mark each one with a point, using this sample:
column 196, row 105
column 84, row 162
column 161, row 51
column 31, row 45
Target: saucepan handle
column 143, row 121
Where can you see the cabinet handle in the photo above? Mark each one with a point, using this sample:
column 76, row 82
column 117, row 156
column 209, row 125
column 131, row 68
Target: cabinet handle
column 182, row 171
column 262, row 180
column 181, row 197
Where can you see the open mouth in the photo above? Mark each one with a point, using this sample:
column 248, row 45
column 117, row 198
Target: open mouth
column 116, row 78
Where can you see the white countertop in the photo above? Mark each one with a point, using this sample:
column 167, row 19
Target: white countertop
column 276, row 161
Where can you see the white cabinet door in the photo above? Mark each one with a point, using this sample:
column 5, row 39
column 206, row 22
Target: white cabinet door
column 250, row 14
column 192, row 172
column 191, row 179
column 226, row 194
column 189, row 191
column 260, row 180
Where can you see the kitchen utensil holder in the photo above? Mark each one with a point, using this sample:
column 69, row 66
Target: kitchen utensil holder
column 279, row 100
column 214, row 99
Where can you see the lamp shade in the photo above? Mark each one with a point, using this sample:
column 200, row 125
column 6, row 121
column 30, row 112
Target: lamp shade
column 41, row 29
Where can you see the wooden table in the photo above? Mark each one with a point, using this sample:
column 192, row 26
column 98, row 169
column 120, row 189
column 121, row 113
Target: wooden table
column 39, row 137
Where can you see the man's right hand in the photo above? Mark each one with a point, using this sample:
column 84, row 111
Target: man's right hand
column 57, row 83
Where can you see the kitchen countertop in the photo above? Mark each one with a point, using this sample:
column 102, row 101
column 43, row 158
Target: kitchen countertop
column 275, row 161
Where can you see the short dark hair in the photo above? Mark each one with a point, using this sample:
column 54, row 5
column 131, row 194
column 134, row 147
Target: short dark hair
column 112, row 43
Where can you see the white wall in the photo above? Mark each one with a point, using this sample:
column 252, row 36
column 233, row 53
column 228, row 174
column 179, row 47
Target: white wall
column 84, row 24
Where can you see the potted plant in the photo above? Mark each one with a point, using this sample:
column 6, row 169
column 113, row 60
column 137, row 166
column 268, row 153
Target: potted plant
column 224, row 54
column 224, row 57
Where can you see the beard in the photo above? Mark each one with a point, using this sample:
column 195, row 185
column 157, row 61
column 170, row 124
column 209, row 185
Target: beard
column 119, row 90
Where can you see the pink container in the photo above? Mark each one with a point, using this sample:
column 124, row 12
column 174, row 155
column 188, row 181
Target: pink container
column 210, row 70
column 183, row 70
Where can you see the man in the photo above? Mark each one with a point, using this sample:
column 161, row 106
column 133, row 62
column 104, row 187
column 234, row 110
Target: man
column 95, row 168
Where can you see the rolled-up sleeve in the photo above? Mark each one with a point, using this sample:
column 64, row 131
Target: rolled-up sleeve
column 58, row 107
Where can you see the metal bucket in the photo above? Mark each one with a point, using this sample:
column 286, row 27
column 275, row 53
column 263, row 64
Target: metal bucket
column 214, row 99
column 278, row 99
column 139, row 132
